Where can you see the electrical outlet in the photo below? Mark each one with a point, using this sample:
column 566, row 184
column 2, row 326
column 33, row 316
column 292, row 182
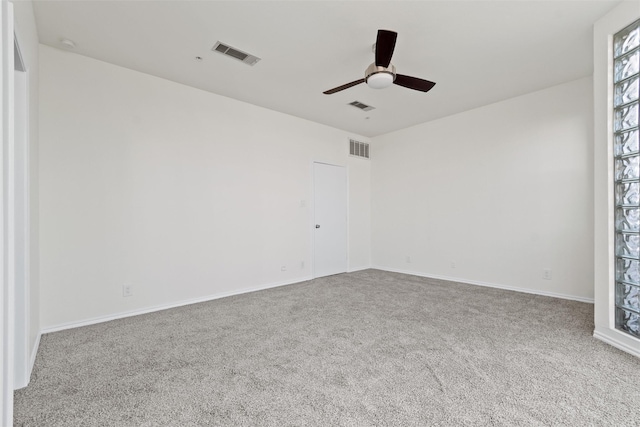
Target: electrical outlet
column 127, row 290
column 453, row 264
column 302, row 265
column 408, row 259
column 546, row 274
column 283, row 268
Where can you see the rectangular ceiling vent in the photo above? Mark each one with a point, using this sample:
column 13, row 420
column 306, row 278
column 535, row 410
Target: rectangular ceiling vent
column 358, row 149
column 360, row 105
column 234, row 53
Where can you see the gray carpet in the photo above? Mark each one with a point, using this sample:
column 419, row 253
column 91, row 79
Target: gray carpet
column 358, row 349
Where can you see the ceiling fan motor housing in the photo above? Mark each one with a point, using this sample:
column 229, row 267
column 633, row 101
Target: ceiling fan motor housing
column 379, row 77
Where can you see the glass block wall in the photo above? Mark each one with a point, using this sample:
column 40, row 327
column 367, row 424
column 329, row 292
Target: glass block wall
column 626, row 54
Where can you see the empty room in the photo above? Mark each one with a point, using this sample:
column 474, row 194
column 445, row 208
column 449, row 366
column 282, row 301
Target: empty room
column 321, row 213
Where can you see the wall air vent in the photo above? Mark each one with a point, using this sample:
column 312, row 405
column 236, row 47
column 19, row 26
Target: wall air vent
column 358, row 149
column 235, row 53
column 360, row 105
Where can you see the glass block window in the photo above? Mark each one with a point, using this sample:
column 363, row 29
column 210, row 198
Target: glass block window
column 626, row 58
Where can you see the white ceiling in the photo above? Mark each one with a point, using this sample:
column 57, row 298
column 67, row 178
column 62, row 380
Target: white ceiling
column 478, row 52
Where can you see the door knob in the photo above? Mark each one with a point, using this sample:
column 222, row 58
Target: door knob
column 317, row 225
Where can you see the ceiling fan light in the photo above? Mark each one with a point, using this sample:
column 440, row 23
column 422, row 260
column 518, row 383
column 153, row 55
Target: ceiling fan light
column 380, row 80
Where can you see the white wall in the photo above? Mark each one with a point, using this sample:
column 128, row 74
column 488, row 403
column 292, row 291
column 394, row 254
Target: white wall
column 182, row 193
column 27, row 35
column 604, row 270
column 503, row 191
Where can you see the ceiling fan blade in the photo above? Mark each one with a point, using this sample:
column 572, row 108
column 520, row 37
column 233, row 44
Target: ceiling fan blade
column 343, row 87
column 385, row 44
column 413, row 83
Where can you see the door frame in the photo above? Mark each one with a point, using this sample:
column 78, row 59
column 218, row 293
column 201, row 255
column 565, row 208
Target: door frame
column 6, row 215
column 22, row 314
column 312, row 217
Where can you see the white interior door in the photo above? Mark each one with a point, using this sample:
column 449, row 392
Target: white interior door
column 330, row 215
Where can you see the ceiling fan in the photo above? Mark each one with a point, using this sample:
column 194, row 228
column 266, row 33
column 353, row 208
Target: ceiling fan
column 382, row 73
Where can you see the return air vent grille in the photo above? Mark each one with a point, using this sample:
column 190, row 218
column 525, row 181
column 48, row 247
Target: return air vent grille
column 358, row 149
column 360, row 105
column 235, row 53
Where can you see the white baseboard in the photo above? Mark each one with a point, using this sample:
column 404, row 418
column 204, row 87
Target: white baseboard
column 34, row 353
column 617, row 339
column 23, row 382
column 353, row 270
column 121, row 315
column 489, row 285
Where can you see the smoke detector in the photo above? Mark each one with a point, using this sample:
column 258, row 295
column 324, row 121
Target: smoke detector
column 69, row 44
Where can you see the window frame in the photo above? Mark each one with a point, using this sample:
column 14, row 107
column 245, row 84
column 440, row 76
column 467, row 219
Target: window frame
column 618, row 18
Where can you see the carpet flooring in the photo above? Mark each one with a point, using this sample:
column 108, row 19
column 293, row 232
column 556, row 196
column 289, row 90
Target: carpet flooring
column 369, row 348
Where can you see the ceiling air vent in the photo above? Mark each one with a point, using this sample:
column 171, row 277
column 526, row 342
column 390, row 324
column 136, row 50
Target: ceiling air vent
column 360, row 105
column 358, row 149
column 235, row 53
